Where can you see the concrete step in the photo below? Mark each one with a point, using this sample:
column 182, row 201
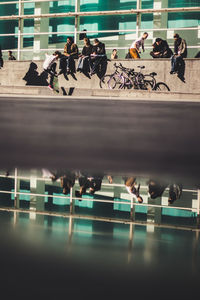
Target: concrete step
column 25, row 90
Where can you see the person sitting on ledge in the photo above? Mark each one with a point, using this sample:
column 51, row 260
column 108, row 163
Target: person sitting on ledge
column 161, row 49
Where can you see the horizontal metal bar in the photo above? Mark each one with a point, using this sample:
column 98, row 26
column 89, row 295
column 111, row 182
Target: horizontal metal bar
column 100, row 31
column 128, row 202
column 102, row 13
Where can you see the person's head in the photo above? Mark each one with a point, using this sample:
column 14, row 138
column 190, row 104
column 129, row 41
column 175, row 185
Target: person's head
column 176, row 36
column 57, row 54
column 86, row 41
column 139, row 199
column 158, row 41
column 114, row 51
column 145, row 35
column 9, row 52
column 70, row 40
column 96, row 41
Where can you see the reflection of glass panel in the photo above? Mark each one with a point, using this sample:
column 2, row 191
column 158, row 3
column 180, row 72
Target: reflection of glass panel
column 8, row 26
column 29, row 8
column 63, row 25
column 147, row 21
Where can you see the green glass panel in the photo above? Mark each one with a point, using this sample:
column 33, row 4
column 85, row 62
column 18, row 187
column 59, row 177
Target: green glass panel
column 60, row 25
column 183, row 3
column 28, row 28
column 8, row 9
column 187, row 19
column 62, row 6
column 102, row 5
column 147, row 4
column 147, row 21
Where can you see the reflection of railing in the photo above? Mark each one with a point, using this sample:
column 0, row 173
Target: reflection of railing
column 72, row 197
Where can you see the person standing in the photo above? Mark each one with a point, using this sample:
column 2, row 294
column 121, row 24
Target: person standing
column 180, row 52
column 49, row 66
column 136, row 45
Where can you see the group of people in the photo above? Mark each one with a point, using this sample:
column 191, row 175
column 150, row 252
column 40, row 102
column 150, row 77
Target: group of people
column 91, row 60
column 91, row 182
column 161, row 49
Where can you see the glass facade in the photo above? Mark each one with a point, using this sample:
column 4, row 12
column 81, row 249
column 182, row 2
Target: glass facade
column 116, row 25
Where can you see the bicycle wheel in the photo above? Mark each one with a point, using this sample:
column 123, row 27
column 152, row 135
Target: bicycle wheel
column 147, row 85
column 116, row 81
column 161, row 86
column 104, row 82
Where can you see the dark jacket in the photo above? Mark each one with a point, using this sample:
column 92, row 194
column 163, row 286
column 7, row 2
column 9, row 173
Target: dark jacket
column 180, row 47
column 71, row 49
column 163, row 48
column 86, row 51
column 99, row 49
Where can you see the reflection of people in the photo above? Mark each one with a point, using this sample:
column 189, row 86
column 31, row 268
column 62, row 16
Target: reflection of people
column 89, row 181
column 135, row 47
column 133, row 190
column 1, row 58
column 161, row 49
column 10, row 55
column 114, row 54
column 175, row 191
column 180, row 52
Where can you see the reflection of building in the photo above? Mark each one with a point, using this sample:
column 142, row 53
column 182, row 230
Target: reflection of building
column 117, row 23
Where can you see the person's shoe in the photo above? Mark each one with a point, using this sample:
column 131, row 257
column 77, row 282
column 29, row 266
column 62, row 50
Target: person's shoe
column 172, row 72
column 50, row 87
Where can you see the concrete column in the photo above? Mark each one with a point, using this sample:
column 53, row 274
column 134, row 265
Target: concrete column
column 160, row 20
column 154, row 213
column 40, row 25
column 138, row 20
column 20, row 30
column 16, row 189
column 77, row 21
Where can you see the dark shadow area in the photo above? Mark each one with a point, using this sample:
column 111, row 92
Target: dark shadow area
column 71, row 90
column 64, row 91
column 32, row 77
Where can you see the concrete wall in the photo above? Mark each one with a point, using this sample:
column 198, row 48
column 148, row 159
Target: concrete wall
column 13, row 72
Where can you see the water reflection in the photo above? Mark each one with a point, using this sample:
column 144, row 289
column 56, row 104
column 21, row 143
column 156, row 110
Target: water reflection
column 81, row 192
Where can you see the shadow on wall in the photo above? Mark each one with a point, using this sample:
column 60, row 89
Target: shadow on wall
column 32, row 77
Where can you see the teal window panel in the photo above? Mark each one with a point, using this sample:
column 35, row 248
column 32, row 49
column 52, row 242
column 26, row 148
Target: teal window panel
column 173, row 212
column 29, row 8
column 147, row 21
column 121, row 206
column 60, row 24
column 141, row 209
column 61, row 201
column 28, row 28
column 9, row 9
column 62, row 6
column 183, row 3
column 8, row 26
column 22, row 197
column 102, row 5
column 83, row 228
column 85, row 203
column 180, row 20
column 147, row 4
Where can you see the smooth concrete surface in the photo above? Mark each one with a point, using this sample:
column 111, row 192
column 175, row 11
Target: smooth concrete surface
column 14, row 72
column 139, row 137
column 45, row 256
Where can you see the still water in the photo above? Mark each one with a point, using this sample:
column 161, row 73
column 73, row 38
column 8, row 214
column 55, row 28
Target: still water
column 77, row 255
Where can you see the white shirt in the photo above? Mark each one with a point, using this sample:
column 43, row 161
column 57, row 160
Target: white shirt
column 138, row 43
column 49, row 60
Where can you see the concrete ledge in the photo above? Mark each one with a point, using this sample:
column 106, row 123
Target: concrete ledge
column 14, row 72
column 25, row 90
